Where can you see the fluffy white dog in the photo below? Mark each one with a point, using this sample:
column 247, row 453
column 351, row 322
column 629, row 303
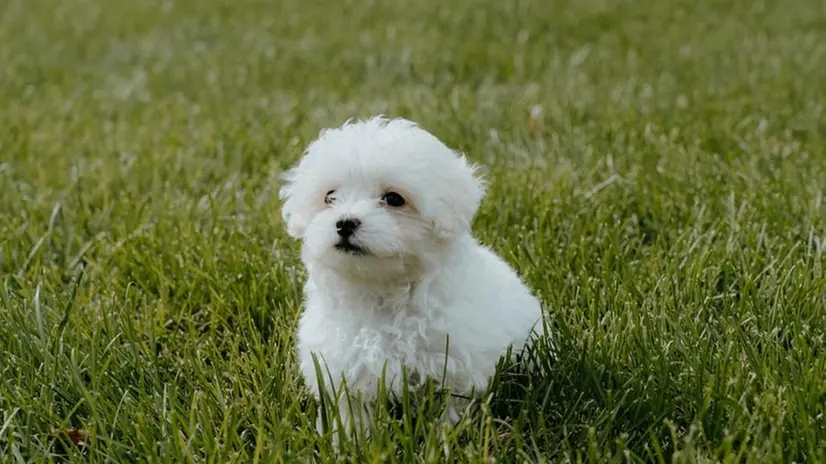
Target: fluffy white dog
column 384, row 211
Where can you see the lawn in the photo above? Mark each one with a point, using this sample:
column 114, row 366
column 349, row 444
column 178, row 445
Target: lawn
column 657, row 173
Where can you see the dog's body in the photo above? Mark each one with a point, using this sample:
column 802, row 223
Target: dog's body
column 395, row 278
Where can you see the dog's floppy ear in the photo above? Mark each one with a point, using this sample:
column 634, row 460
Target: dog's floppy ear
column 301, row 185
column 293, row 211
column 458, row 196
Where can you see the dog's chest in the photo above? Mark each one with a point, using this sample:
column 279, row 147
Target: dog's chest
column 362, row 345
column 396, row 333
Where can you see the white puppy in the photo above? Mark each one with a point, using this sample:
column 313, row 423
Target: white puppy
column 384, row 211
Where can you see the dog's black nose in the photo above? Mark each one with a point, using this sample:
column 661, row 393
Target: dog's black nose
column 346, row 227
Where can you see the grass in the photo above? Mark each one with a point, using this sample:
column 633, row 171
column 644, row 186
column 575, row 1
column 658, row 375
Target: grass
column 667, row 206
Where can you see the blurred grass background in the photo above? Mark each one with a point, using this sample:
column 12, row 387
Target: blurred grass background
column 665, row 200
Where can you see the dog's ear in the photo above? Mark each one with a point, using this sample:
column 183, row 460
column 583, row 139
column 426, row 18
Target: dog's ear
column 458, row 197
column 300, row 186
column 293, row 211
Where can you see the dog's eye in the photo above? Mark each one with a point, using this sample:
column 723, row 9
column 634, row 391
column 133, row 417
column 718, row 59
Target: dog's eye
column 328, row 199
column 393, row 199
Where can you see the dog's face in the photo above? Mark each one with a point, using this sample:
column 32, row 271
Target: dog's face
column 376, row 198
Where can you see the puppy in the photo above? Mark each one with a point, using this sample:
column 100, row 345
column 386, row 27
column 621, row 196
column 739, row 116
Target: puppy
column 396, row 281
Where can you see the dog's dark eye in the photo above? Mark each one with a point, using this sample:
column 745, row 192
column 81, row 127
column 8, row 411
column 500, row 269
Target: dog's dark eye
column 328, row 199
column 393, row 199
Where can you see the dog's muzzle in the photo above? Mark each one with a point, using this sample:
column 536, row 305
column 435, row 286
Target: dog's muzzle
column 345, row 228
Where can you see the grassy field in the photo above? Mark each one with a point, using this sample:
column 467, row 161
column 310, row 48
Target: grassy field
column 667, row 206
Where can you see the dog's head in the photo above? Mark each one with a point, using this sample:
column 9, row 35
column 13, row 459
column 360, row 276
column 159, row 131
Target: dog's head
column 375, row 197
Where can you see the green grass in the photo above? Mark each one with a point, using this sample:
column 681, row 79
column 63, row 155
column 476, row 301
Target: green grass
column 667, row 207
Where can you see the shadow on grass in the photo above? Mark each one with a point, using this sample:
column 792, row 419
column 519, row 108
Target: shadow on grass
column 575, row 404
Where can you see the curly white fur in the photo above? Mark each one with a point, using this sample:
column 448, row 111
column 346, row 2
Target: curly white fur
column 419, row 291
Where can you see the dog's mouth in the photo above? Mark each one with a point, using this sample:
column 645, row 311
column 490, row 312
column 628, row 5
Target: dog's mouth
column 347, row 247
